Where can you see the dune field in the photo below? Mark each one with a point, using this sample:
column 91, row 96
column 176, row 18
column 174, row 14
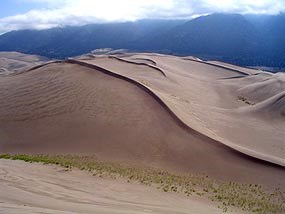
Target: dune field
column 11, row 62
column 180, row 114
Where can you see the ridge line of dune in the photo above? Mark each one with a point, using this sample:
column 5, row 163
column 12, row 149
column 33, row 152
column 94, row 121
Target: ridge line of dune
column 139, row 63
column 35, row 67
column 218, row 66
column 241, row 150
column 149, row 60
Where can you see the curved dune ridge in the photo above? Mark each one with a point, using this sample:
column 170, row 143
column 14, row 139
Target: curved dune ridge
column 189, row 120
column 193, row 89
column 149, row 63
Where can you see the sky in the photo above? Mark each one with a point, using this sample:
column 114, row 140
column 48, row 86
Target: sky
column 43, row 14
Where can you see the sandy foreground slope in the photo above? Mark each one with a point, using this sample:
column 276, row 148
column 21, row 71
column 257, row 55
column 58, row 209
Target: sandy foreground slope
column 168, row 112
column 50, row 189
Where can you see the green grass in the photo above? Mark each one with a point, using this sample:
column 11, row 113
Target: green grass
column 248, row 197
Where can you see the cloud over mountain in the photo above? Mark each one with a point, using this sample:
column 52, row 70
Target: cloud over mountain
column 79, row 12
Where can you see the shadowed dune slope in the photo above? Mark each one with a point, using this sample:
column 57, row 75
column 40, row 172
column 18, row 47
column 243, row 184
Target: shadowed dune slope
column 68, row 108
column 213, row 100
column 264, row 88
column 274, row 106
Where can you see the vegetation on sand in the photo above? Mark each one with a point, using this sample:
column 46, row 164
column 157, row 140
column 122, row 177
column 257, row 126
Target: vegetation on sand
column 246, row 101
column 248, row 197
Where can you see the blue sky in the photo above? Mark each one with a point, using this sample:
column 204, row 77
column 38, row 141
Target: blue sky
column 42, row 14
column 13, row 7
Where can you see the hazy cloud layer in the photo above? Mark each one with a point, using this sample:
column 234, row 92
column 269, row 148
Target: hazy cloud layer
column 79, row 12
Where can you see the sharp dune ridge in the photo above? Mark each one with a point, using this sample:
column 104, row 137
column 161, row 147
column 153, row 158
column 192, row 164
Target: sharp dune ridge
column 235, row 146
column 223, row 66
column 231, row 67
column 188, row 120
column 242, row 150
column 141, row 63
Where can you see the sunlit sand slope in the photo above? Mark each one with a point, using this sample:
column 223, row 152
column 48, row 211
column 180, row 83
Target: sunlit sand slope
column 160, row 111
column 213, row 98
column 49, row 189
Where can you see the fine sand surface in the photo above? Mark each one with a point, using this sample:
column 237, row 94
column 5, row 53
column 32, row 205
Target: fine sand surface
column 180, row 114
column 12, row 62
column 50, row 189
column 206, row 98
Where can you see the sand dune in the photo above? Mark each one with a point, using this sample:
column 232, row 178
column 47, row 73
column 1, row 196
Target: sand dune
column 189, row 120
column 50, row 189
column 274, row 106
column 261, row 88
column 235, row 67
column 11, row 62
column 201, row 95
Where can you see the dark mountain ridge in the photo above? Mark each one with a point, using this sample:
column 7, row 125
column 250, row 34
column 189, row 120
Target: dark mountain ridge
column 256, row 40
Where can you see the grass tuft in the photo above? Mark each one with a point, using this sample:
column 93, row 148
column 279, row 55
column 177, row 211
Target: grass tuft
column 250, row 198
column 246, row 101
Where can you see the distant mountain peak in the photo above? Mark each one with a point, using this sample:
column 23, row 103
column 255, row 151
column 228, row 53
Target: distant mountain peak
column 240, row 39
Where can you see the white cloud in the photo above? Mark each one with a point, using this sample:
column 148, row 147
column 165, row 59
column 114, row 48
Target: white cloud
column 246, row 6
column 79, row 12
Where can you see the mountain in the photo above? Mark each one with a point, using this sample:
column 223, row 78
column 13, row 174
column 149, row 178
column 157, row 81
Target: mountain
column 255, row 40
column 238, row 39
column 215, row 35
column 73, row 41
column 271, row 44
